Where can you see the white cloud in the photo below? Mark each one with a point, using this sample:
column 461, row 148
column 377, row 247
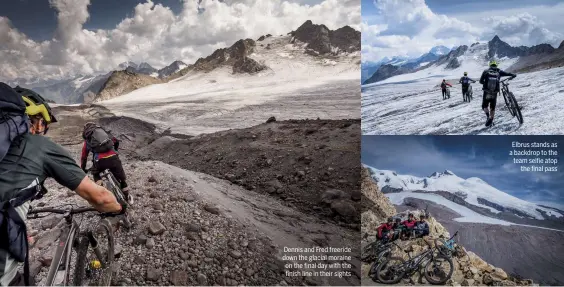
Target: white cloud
column 156, row 35
column 522, row 29
column 411, row 28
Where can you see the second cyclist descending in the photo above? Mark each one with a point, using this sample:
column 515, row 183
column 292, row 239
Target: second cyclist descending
column 465, row 81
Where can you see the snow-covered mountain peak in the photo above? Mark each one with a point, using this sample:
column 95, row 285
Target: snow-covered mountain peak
column 439, row 50
column 437, row 174
column 475, row 191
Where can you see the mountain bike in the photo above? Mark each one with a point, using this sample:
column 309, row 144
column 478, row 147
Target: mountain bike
column 111, row 183
column 392, row 270
column 383, row 253
column 450, row 247
column 468, row 96
column 510, row 101
column 93, row 245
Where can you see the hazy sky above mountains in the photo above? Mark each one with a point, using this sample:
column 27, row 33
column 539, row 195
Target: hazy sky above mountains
column 412, row 27
column 486, row 157
column 58, row 38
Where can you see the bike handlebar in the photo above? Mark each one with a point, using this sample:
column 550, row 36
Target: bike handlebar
column 60, row 211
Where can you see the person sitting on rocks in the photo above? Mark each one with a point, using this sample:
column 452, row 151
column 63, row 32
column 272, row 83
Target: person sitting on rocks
column 421, row 227
column 384, row 230
column 397, row 229
column 409, row 225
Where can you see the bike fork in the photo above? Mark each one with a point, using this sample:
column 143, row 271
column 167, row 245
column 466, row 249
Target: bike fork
column 94, row 243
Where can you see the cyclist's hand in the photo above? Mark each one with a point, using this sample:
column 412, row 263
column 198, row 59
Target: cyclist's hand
column 121, row 212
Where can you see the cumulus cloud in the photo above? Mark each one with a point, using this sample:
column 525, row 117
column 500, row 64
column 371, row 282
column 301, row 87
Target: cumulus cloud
column 411, row 28
column 522, row 29
column 154, row 34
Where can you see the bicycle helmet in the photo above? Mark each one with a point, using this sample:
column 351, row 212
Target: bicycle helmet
column 465, row 73
column 36, row 105
column 493, row 63
column 390, row 220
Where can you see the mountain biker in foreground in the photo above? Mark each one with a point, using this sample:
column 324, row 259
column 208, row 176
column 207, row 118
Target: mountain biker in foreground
column 27, row 159
column 103, row 147
column 444, row 85
column 465, row 81
column 490, row 81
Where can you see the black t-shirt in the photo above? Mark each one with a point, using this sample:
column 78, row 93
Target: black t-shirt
column 40, row 158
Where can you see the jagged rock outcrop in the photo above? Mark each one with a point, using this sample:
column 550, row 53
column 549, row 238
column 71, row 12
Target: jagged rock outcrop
column 171, row 69
column 375, row 206
column 500, row 49
column 123, row 82
column 247, row 65
column 236, row 56
column 263, row 37
column 452, row 55
column 322, row 40
column 384, row 72
column 453, row 64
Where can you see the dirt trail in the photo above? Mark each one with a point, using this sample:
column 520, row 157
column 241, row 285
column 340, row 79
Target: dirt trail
column 214, row 231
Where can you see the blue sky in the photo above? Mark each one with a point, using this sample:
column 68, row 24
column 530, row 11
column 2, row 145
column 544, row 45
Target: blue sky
column 412, row 27
column 58, row 39
column 486, row 157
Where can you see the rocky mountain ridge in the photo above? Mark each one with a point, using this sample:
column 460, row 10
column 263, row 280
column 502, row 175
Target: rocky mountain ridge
column 530, row 59
column 469, row 268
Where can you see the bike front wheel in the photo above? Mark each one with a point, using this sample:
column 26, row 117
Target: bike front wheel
column 508, row 104
column 516, row 108
column 439, row 270
column 391, row 271
column 95, row 255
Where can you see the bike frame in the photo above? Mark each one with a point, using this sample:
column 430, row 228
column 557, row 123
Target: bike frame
column 69, row 235
column 414, row 263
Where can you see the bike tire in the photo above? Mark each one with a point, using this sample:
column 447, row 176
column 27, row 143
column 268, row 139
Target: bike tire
column 517, row 109
column 106, row 276
column 508, row 104
column 445, row 279
column 80, row 265
column 82, row 256
column 379, row 271
column 368, row 252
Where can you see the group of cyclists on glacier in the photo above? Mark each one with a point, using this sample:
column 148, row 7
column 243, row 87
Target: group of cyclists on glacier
column 490, row 81
column 28, row 158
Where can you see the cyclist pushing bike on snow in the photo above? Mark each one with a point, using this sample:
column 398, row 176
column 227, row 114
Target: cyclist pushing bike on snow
column 490, row 80
column 446, row 93
column 465, row 81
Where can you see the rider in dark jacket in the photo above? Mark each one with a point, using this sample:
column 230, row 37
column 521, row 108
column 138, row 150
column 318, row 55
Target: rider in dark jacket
column 465, row 81
column 421, row 227
column 490, row 97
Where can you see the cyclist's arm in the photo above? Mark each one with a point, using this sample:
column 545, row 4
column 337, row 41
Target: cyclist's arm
column 58, row 164
column 99, row 197
column 506, row 74
column 483, row 78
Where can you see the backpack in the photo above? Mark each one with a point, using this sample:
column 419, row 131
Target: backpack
column 492, row 81
column 465, row 81
column 13, row 231
column 97, row 138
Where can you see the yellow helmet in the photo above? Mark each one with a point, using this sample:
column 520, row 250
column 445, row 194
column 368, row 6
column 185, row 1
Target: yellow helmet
column 36, row 105
column 493, row 63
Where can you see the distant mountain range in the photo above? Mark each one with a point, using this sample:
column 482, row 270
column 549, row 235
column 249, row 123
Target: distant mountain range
column 473, row 193
column 314, row 40
column 369, row 68
column 527, row 59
